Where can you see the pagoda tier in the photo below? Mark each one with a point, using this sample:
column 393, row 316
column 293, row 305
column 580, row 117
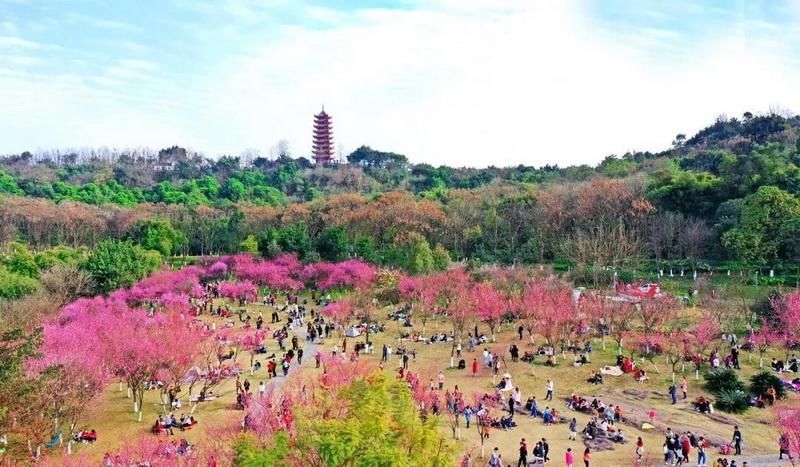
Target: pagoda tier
column 323, row 138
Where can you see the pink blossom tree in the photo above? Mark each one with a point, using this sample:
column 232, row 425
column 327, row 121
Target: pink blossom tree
column 239, row 290
column 789, row 426
column 763, row 340
column 251, row 341
column 490, row 306
column 788, row 319
column 528, row 305
column 701, row 338
column 340, row 313
column 556, row 317
column 654, row 315
column 421, row 292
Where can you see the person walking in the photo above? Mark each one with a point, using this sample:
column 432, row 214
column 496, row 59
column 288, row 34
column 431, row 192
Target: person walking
column 545, row 450
column 496, row 460
column 684, row 387
column 468, row 415
column 441, row 380
column 569, row 458
column 673, row 394
column 737, row 441
column 701, row 453
column 549, row 387
column 523, row 454
column 534, row 407
column 474, row 367
column 573, row 430
column 587, row 457
column 639, row 450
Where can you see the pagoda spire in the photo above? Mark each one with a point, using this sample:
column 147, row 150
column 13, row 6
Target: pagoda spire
column 323, row 138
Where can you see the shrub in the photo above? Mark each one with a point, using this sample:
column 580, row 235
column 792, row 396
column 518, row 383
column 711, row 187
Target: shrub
column 732, row 401
column 760, row 382
column 723, row 379
column 14, row 286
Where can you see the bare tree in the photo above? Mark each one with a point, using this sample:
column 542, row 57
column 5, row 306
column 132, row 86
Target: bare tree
column 602, row 246
column 693, row 240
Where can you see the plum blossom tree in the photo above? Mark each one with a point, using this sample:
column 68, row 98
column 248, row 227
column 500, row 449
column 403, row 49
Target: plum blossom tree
column 675, row 348
column 252, row 340
column 704, row 334
column 788, row 319
column 239, row 290
column 654, row 316
column 789, row 425
column 763, row 340
column 421, row 294
column 490, row 306
column 340, row 313
column 280, row 273
column 556, row 317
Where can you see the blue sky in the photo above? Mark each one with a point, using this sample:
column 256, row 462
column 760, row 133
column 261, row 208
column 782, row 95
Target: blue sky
column 462, row 82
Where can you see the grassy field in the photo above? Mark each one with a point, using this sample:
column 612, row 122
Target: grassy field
column 116, row 423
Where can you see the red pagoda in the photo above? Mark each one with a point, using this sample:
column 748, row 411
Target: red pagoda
column 323, row 138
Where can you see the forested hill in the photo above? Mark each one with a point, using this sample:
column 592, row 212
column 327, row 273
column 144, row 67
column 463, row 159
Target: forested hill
column 729, row 193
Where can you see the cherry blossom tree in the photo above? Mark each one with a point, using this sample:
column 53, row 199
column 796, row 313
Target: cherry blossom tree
column 252, row 340
column 763, row 340
column 351, row 273
column 556, row 317
column 490, row 306
column 528, row 305
column 789, row 427
column 676, row 347
column 619, row 316
column 788, row 319
column 701, row 338
column 217, row 270
column 239, row 290
column 654, row 315
column 278, row 274
column 340, row 313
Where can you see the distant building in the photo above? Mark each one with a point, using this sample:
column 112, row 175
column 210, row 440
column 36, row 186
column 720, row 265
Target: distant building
column 323, row 138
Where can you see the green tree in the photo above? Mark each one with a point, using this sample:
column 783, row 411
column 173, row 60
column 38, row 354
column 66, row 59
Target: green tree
column 21, row 260
column 441, row 258
column 14, row 286
column 249, row 244
column 332, row 244
column 159, row 235
column 294, row 239
column 380, row 426
column 766, row 219
column 114, row 264
column 419, row 257
column 248, row 455
column 366, row 250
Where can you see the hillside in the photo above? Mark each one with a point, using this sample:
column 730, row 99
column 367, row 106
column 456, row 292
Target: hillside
column 728, row 193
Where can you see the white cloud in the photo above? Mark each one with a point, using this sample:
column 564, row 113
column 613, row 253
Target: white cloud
column 17, row 42
column 542, row 84
column 497, row 82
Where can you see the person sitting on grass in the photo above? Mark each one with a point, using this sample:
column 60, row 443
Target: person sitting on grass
column 89, row 436
column 597, row 378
